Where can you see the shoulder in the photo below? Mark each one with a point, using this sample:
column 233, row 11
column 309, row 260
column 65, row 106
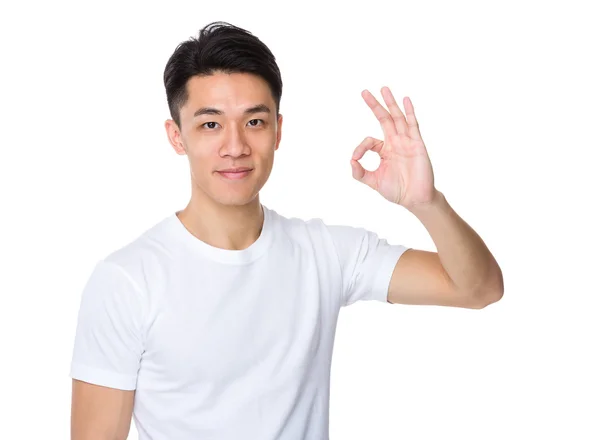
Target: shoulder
column 317, row 226
column 293, row 225
column 146, row 254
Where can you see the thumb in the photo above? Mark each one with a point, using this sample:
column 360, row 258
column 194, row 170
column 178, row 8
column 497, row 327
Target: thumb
column 362, row 175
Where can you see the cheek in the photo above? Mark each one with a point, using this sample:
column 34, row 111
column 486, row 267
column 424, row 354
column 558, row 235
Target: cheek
column 200, row 160
column 205, row 150
column 263, row 142
column 198, row 153
column 202, row 148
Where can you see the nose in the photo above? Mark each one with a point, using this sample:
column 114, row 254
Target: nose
column 234, row 143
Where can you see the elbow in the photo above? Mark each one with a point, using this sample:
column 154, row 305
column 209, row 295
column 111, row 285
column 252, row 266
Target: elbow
column 492, row 293
column 484, row 300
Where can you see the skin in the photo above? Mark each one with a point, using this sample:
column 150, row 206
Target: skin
column 223, row 213
column 463, row 273
column 226, row 213
column 405, row 174
column 100, row 413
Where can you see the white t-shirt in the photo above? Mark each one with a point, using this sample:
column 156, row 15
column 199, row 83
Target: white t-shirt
column 227, row 344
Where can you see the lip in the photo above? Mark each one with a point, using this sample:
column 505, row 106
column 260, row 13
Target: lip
column 235, row 173
column 235, row 170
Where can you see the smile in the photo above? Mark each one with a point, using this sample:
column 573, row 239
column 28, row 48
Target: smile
column 234, row 175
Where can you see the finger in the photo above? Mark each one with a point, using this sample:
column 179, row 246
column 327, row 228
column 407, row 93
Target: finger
column 411, row 119
column 362, row 175
column 397, row 115
column 369, row 143
column 382, row 115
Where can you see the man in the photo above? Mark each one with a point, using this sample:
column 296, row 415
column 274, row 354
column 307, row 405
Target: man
column 219, row 321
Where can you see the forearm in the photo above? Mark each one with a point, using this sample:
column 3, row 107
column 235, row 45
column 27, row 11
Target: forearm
column 465, row 257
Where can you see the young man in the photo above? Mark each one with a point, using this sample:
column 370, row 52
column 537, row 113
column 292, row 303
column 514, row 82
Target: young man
column 219, row 321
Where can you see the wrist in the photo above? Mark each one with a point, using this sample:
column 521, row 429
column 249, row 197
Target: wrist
column 436, row 204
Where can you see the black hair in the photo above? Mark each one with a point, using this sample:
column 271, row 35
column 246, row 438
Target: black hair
column 219, row 47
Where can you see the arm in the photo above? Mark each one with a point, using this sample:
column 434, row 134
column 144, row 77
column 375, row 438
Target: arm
column 100, row 413
column 462, row 274
column 109, row 343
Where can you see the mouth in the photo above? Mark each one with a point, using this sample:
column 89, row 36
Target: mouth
column 235, row 173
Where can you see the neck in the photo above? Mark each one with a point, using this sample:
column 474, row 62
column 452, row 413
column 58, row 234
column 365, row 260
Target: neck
column 223, row 226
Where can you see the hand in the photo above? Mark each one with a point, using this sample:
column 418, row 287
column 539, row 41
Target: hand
column 405, row 174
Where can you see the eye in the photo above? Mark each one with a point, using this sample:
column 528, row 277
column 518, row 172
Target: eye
column 256, row 120
column 206, row 123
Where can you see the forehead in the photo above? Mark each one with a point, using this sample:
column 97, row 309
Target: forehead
column 231, row 93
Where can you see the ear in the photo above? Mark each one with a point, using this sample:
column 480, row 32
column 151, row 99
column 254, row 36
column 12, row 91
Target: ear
column 279, row 123
column 174, row 135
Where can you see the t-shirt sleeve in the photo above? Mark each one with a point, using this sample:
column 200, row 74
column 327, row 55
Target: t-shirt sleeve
column 108, row 340
column 367, row 263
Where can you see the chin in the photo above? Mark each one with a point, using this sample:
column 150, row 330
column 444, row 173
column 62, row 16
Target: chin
column 234, row 199
column 235, row 193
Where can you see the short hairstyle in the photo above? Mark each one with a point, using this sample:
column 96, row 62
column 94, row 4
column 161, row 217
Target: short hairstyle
column 219, row 47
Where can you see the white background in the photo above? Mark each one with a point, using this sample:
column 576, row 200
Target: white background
column 507, row 97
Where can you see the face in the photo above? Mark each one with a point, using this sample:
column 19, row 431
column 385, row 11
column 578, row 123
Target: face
column 228, row 122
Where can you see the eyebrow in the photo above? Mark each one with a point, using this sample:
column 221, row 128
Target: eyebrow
column 260, row 108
